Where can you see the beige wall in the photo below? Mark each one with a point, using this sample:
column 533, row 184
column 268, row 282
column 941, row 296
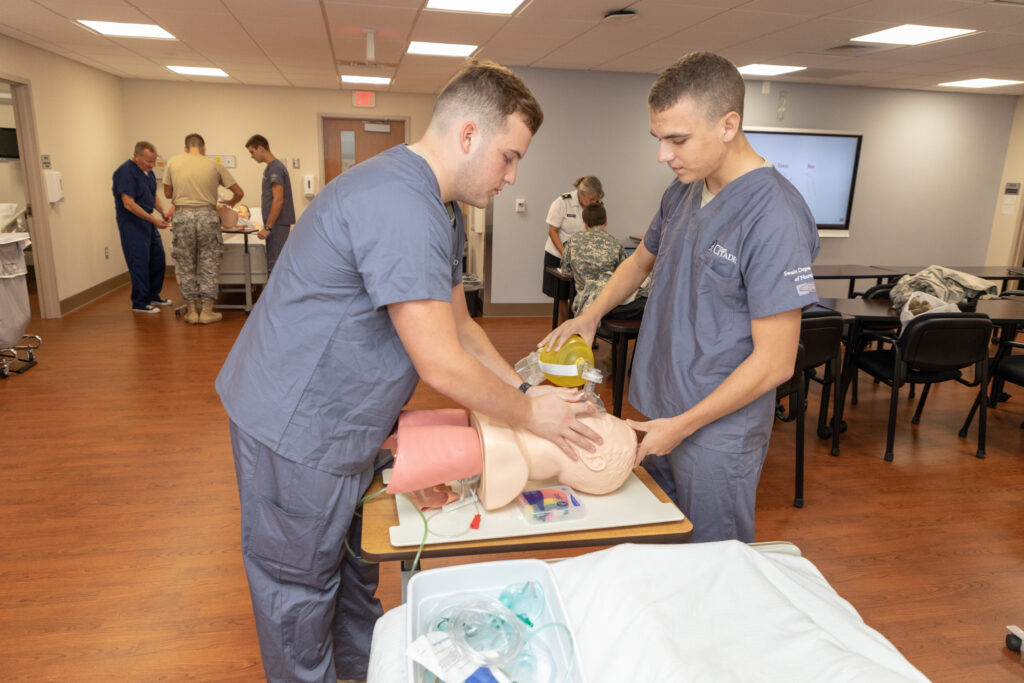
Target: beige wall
column 88, row 121
column 80, row 124
column 1008, row 215
column 226, row 115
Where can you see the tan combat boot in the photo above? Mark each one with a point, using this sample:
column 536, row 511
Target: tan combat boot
column 207, row 314
column 192, row 312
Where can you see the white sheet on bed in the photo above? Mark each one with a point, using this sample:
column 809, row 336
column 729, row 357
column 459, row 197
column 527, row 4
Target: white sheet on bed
column 707, row 612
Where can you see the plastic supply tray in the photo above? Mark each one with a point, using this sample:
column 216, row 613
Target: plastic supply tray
column 431, row 590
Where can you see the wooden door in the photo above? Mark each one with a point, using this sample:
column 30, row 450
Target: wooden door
column 366, row 143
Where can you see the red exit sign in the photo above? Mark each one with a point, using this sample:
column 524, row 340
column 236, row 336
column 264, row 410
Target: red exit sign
column 363, row 98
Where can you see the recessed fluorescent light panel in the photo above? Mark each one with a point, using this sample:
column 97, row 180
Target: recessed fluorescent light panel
column 768, row 69
column 980, row 83
column 912, row 34
column 417, row 47
column 478, row 6
column 369, row 80
column 198, row 71
column 122, row 30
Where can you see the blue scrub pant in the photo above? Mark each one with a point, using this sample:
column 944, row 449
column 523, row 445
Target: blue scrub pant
column 313, row 602
column 716, row 490
column 144, row 255
column 275, row 243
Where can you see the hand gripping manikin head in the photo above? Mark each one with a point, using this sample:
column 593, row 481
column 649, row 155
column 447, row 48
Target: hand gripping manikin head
column 436, row 446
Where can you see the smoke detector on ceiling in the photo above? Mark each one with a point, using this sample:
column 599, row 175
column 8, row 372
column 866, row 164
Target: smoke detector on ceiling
column 619, row 16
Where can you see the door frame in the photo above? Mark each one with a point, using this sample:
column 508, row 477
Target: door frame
column 321, row 145
column 39, row 221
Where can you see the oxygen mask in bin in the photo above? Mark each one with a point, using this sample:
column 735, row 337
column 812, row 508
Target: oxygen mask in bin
column 570, row 366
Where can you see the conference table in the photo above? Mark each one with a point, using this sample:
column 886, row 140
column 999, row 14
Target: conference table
column 1001, row 273
column 851, row 273
column 1006, row 314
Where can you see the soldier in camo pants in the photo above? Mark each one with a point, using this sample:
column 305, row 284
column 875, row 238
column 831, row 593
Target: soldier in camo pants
column 196, row 249
column 192, row 181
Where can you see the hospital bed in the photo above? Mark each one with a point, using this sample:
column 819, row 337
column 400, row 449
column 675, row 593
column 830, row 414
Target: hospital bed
column 708, row 611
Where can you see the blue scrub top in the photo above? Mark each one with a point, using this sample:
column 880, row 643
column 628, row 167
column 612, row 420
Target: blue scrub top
column 129, row 179
column 276, row 172
column 746, row 254
column 318, row 372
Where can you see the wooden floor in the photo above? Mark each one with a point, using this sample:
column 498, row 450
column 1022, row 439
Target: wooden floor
column 119, row 540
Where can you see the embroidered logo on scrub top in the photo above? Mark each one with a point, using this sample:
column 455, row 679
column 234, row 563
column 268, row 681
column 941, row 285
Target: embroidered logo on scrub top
column 721, row 252
column 804, row 279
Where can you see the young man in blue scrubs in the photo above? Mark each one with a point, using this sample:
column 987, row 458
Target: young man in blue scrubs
column 276, row 203
column 367, row 300
column 730, row 249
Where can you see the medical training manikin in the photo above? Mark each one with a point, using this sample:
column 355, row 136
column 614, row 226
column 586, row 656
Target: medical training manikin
column 436, row 446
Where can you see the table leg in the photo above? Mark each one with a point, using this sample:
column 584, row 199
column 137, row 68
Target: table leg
column 247, row 265
column 848, row 374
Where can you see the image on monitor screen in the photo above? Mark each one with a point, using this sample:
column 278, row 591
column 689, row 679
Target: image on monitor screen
column 821, row 165
column 8, row 143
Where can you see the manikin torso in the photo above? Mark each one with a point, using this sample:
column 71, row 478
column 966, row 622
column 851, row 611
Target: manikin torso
column 438, row 446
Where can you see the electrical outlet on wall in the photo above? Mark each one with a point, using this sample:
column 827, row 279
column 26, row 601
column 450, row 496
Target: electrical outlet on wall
column 106, row 252
column 295, row 162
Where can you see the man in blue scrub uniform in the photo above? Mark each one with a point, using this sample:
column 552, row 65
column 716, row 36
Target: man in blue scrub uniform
column 134, row 201
column 276, row 203
column 730, row 249
column 366, row 300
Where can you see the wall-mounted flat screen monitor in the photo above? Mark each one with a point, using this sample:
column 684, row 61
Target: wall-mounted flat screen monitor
column 8, row 143
column 822, row 165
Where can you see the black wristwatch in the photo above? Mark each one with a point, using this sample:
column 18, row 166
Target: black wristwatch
column 524, row 387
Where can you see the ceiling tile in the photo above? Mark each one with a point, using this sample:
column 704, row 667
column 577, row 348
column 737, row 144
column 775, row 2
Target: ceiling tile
column 899, row 12
column 288, row 41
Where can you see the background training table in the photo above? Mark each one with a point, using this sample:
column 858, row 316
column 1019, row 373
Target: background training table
column 229, row 275
column 851, row 273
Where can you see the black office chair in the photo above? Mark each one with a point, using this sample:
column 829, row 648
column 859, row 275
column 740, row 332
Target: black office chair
column 870, row 331
column 933, row 347
column 618, row 333
column 821, row 335
column 1003, row 368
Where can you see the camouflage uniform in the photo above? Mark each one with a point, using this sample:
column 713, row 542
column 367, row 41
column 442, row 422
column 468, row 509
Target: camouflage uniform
column 196, row 249
column 592, row 256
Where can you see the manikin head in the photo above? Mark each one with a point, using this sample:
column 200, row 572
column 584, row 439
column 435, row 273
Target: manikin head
column 512, row 456
column 436, row 446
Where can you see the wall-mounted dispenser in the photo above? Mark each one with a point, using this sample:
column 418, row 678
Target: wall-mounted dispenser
column 54, row 186
column 309, row 185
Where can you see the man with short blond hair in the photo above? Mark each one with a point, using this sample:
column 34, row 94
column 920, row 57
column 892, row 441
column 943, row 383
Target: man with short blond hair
column 365, row 301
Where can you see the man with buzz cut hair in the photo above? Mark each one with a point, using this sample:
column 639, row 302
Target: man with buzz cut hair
column 190, row 182
column 731, row 249
column 134, row 201
column 365, row 301
column 276, row 203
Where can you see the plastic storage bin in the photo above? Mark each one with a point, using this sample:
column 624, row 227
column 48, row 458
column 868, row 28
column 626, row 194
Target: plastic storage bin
column 430, row 591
